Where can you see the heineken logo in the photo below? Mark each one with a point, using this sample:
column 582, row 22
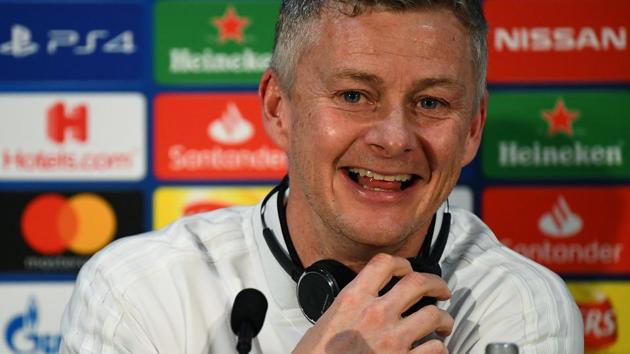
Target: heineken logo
column 557, row 134
column 513, row 154
column 560, row 119
column 230, row 26
column 213, row 42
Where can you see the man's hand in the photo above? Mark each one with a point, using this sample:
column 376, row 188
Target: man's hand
column 361, row 321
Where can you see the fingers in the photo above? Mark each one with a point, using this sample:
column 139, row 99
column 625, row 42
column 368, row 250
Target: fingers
column 434, row 346
column 414, row 286
column 425, row 321
column 379, row 270
column 358, row 313
column 410, row 288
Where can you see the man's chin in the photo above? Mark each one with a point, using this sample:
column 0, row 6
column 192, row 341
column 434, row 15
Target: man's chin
column 379, row 237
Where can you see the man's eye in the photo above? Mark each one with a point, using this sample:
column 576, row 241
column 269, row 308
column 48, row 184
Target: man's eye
column 429, row 103
column 352, row 96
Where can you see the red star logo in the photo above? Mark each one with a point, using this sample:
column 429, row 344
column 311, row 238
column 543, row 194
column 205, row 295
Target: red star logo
column 230, row 26
column 560, row 119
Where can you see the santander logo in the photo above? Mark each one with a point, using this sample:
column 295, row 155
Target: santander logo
column 560, row 221
column 231, row 128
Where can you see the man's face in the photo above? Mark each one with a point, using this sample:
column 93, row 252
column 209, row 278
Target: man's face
column 379, row 123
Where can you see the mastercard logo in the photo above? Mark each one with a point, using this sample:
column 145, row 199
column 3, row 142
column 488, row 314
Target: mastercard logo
column 83, row 224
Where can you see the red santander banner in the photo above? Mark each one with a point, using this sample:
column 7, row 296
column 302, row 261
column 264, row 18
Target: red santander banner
column 213, row 137
column 573, row 230
column 540, row 41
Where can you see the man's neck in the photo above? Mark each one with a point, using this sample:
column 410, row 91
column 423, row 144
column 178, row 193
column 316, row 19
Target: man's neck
column 314, row 240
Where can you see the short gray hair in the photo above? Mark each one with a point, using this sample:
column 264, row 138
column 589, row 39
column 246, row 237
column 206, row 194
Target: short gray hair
column 294, row 30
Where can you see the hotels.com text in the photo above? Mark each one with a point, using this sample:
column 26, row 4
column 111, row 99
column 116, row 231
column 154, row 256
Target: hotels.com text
column 68, row 161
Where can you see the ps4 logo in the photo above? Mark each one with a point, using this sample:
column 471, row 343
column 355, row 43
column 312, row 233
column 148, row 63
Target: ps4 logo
column 22, row 337
column 21, row 43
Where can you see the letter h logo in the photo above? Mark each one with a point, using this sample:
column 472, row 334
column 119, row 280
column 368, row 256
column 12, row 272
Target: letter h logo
column 61, row 122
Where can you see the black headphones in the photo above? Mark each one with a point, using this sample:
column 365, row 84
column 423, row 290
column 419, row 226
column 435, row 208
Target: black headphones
column 319, row 284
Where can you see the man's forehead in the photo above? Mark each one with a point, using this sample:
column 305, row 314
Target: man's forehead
column 430, row 39
column 412, row 50
column 409, row 25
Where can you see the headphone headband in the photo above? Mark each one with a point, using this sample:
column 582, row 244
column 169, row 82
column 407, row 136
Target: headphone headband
column 321, row 282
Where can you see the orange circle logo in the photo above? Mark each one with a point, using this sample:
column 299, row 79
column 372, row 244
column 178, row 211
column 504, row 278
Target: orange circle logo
column 83, row 224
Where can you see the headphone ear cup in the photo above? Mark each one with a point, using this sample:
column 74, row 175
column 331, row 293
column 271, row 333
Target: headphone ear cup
column 319, row 284
column 423, row 265
column 339, row 272
column 420, row 265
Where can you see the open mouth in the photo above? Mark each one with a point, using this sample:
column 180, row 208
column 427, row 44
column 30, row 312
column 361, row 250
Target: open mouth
column 381, row 183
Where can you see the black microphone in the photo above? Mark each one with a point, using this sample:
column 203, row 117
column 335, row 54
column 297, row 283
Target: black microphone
column 248, row 315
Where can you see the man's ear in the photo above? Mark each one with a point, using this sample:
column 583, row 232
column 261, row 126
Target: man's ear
column 274, row 109
column 473, row 139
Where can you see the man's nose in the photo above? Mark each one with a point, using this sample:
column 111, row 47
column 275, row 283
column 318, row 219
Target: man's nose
column 393, row 134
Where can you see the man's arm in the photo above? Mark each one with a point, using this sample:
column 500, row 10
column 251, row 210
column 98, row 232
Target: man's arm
column 513, row 300
column 99, row 320
column 540, row 318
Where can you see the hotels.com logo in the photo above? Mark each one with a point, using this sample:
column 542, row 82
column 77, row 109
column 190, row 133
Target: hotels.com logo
column 53, row 224
column 72, row 136
column 62, row 123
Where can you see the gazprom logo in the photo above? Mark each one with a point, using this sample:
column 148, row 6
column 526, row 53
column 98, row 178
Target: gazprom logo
column 22, row 336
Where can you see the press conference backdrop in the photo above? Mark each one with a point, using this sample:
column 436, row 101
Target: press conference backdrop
column 118, row 116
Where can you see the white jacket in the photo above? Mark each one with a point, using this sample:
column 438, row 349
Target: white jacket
column 171, row 291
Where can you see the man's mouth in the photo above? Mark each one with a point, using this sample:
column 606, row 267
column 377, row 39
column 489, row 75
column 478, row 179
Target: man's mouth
column 381, row 183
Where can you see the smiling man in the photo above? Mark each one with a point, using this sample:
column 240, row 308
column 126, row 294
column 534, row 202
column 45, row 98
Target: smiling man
column 378, row 105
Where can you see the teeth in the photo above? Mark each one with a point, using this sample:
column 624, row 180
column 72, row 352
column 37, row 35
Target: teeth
column 376, row 176
column 374, row 189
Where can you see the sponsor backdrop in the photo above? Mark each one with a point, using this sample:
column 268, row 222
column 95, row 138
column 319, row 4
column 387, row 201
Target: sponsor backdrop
column 117, row 117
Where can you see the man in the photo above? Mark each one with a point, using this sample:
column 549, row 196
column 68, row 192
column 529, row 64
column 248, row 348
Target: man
column 378, row 105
